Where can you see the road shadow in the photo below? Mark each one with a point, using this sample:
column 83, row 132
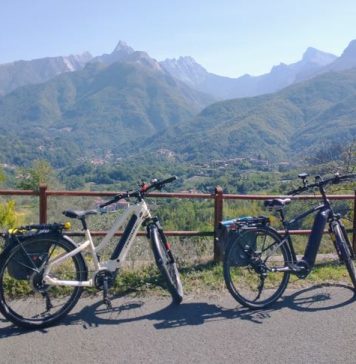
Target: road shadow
column 316, row 298
column 321, row 297
column 170, row 316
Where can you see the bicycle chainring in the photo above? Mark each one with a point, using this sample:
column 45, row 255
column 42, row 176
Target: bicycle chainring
column 103, row 275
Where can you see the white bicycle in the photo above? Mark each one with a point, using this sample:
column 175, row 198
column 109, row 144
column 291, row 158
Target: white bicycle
column 43, row 272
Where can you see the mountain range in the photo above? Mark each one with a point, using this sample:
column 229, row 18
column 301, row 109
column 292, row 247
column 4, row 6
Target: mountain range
column 185, row 69
column 93, row 111
column 287, row 125
column 22, row 73
column 71, row 108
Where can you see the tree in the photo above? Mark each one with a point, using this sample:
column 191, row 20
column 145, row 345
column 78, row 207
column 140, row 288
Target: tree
column 335, row 157
column 348, row 157
column 40, row 172
column 8, row 217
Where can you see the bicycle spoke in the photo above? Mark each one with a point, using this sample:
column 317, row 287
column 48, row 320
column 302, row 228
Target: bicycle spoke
column 249, row 275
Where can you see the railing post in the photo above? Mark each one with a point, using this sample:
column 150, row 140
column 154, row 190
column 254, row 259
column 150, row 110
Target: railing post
column 43, row 203
column 218, row 215
column 354, row 226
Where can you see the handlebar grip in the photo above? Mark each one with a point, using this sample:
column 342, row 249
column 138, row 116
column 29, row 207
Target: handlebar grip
column 168, row 180
column 113, row 200
column 289, row 193
column 159, row 184
column 346, row 177
column 106, row 204
column 295, row 192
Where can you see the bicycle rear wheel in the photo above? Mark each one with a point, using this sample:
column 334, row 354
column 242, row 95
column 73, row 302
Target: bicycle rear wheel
column 346, row 254
column 25, row 299
column 248, row 267
column 166, row 263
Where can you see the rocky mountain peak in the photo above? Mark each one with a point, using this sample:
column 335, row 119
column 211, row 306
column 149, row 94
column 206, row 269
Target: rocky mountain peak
column 123, row 47
column 350, row 50
column 185, row 69
column 185, row 62
column 347, row 60
column 144, row 59
column 313, row 55
column 119, row 54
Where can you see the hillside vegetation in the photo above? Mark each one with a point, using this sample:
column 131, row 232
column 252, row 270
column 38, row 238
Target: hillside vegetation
column 92, row 112
column 104, row 113
column 284, row 125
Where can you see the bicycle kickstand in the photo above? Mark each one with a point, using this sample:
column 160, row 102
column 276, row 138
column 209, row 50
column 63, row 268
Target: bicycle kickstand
column 106, row 299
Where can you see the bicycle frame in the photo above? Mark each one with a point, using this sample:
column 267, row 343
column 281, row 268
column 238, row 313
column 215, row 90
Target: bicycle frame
column 133, row 217
column 302, row 267
column 323, row 214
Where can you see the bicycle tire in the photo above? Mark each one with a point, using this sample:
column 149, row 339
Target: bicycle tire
column 166, row 264
column 26, row 301
column 346, row 254
column 246, row 267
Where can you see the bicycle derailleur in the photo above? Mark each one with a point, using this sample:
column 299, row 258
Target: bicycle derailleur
column 103, row 281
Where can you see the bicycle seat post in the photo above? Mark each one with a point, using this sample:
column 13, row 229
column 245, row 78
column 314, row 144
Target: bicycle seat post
column 282, row 217
column 84, row 223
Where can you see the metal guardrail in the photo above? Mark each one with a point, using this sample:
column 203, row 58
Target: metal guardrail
column 218, row 196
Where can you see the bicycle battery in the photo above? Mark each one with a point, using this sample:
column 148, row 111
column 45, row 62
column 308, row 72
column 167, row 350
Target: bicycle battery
column 315, row 237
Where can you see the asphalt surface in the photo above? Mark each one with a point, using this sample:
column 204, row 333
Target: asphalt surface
column 311, row 325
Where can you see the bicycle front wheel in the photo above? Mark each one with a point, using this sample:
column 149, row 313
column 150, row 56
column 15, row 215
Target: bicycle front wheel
column 251, row 265
column 25, row 299
column 346, row 254
column 166, row 263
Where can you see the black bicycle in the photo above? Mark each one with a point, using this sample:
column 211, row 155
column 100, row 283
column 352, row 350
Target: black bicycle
column 259, row 261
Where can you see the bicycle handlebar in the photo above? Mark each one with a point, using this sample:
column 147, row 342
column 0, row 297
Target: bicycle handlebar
column 107, row 203
column 156, row 185
column 333, row 180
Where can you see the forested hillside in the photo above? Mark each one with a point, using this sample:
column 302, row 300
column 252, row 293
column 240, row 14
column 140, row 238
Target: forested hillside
column 92, row 113
column 284, row 125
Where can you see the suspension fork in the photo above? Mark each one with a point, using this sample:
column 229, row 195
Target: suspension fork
column 348, row 242
column 333, row 238
column 332, row 224
column 155, row 221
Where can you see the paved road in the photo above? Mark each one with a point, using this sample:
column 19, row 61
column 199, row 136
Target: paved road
column 314, row 325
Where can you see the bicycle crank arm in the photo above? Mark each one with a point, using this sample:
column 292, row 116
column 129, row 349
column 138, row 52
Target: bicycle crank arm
column 301, row 270
column 280, row 269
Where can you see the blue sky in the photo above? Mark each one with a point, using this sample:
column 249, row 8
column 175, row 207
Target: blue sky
column 227, row 37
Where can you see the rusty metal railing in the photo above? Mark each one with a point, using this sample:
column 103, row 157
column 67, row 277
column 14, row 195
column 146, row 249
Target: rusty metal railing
column 218, row 197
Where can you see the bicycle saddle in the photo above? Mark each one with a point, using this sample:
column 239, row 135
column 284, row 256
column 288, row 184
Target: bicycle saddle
column 277, row 203
column 77, row 214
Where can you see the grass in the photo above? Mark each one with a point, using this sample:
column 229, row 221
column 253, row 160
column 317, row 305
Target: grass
column 328, row 273
column 205, row 278
column 197, row 279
